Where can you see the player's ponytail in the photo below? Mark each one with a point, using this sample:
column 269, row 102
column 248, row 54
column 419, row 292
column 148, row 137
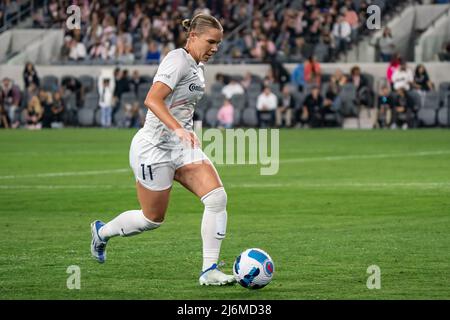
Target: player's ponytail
column 200, row 23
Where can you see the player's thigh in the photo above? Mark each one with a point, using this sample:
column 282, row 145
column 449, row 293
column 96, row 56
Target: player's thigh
column 153, row 203
column 199, row 178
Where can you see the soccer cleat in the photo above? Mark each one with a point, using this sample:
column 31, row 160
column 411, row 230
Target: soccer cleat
column 98, row 246
column 214, row 277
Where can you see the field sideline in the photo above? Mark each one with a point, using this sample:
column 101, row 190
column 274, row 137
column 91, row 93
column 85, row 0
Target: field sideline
column 341, row 202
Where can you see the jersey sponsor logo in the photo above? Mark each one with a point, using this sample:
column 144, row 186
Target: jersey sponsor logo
column 193, row 87
column 164, row 75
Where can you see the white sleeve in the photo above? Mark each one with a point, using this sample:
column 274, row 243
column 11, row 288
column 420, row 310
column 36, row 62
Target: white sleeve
column 171, row 70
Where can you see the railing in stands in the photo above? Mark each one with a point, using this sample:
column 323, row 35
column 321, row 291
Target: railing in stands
column 10, row 19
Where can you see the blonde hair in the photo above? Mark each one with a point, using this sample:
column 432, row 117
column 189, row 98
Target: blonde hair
column 201, row 22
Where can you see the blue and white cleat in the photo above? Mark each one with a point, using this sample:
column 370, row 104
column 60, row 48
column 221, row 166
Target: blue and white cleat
column 214, row 277
column 98, row 246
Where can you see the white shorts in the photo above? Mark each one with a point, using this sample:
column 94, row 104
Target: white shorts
column 155, row 167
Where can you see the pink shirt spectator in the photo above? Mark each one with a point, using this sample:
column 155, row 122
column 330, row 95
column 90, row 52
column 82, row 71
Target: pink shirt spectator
column 226, row 114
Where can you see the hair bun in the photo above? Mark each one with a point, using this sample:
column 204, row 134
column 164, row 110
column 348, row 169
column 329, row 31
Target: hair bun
column 186, row 24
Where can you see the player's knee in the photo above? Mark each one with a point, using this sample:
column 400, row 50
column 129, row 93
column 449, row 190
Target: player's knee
column 154, row 216
column 215, row 200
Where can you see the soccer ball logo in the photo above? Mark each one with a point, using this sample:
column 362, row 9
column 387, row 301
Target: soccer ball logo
column 253, row 268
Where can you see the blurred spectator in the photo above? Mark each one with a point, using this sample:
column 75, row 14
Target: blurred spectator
column 10, row 98
column 286, row 105
column 298, row 77
column 58, row 107
column 232, row 88
column 225, row 116
column 30, row 75
column 106, row 103
column 133, row 115
column 402, row 112
column 394, row 65
column 72, row 85
column 4, row 119
column 422, row 81
column 77, row 50
column 403, row 78
column 266, row 105
column 313, row 71
column 66, row 48
column 46, row 103
column 246, row 81
column 135, row 81
column 339, row 79
column 342, row 32
column 444, row 54
column 384, row 108
column 386, row 45
column 122, row 83
column 332, row 101
column 33, row 114
column 364, row 94
column 310, row 114
column 152, row 54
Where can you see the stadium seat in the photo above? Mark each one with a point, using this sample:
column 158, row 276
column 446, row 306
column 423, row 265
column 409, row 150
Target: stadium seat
column 50, row 83
column 128, row 97
column 348, row 96
column 211, row 117
column 443, row 117
column 119, row 118
column 249, row 118
column 88, row 83
column 146, row 79
column 86, row 117
column 238, row 101
column 432, row 100
column 426, row 117
column 203, row 103
column 217, row 100
column 91, row 100
column 237, row 117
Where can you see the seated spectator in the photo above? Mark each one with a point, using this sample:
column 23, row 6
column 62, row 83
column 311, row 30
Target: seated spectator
column 332, row 101
column 77, row 50
column 286, row 105
column 394, row 65
column 232, row 88
column 46, row 103
column 402, row 112
column 153, row 54
column 386, row 45
column 266, row 105
column 73, row 85
column 135, row 81
column 4, row 119
column 33, row 114
column 225, row 116
column 384, row 108
column 364, row 95
column 310, row 114
column 10, row 97
column 246, row 81
column 30, row 75
column 339, row 79
column 422, row 81
column 403, row 78
column 58, row 108
column 133, row 115
column 313, row 73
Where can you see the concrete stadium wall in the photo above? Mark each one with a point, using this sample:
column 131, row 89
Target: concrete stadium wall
column 438, row 71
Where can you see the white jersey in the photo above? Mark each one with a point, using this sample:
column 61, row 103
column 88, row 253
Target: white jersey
column 185, row 77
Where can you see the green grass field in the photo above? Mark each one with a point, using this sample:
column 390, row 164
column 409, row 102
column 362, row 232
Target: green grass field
column 342, row 201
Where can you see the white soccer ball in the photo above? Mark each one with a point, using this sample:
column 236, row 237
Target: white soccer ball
column 253, row 268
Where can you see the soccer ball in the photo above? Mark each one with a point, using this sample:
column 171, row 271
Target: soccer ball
column 253, row 268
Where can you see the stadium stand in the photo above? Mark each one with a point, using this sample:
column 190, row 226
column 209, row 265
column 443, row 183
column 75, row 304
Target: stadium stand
column 273, row 40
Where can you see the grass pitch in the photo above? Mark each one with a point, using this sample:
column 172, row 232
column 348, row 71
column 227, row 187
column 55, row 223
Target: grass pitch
column 341, row 202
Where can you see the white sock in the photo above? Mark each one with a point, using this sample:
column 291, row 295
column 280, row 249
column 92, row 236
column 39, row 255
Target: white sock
column 214, row 220
column 126, row 224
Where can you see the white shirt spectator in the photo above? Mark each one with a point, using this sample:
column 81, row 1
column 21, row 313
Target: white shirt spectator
column 267, row 102
column 77, row 51
column 342, row 30
column 106, row 97
column 403, row 79
column 231, row 89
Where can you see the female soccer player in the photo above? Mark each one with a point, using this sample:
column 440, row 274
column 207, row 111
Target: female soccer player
column 167, row 149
